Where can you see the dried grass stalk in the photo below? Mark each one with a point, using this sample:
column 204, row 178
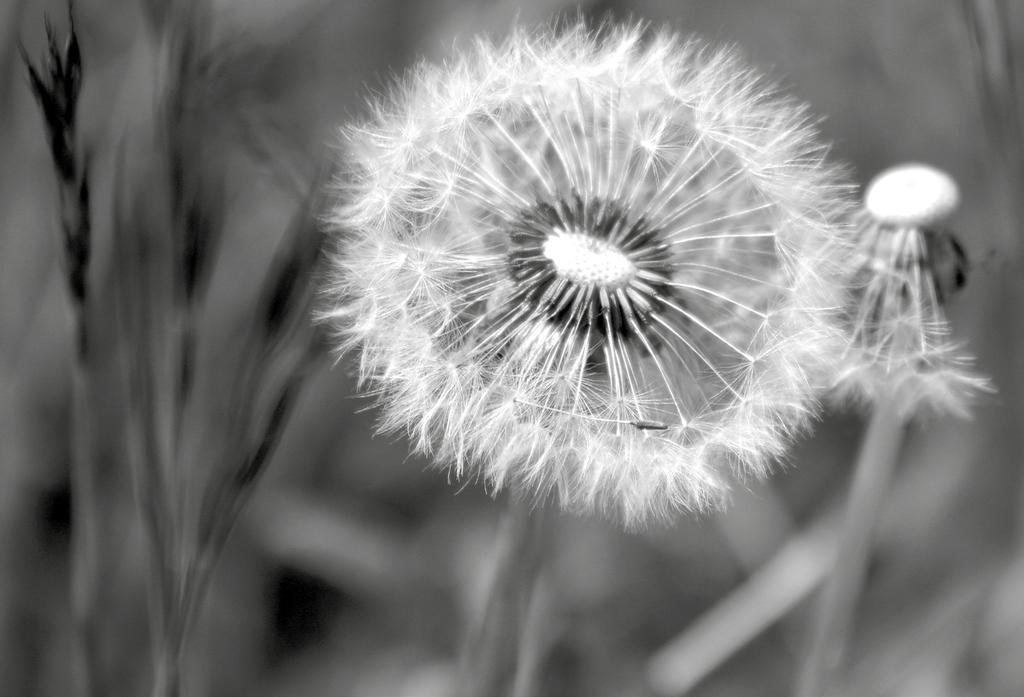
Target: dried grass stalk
column 56, row 84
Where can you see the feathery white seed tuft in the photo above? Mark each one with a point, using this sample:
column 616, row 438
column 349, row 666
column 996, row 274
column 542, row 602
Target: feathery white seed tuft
column 597, row 266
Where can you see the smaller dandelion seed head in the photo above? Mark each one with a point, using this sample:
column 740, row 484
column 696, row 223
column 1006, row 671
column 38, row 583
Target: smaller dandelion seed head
column 911, row 195
column 904, row 271
column 592, row 265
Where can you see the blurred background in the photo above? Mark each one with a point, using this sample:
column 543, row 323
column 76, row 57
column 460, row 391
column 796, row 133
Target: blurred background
column 354, row 567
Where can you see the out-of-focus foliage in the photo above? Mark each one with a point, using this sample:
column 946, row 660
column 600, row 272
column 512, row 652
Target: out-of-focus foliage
column 354, row 567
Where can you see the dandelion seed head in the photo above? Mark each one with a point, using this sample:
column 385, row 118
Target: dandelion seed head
column 591, row 265
column 911, row 195
column 904, row 270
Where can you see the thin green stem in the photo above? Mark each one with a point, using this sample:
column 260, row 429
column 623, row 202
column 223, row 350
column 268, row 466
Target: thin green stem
column 872, row 475
column 491, row 655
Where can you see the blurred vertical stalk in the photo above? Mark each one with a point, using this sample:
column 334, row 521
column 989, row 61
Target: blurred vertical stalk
column 88, row 540
column 872, row 475
column 169, row 221
column 991, row 54
column 138, row 319
column 56, row 85
column 10, row 20
column 986, row 23
column 493, row 648
column 188, row 519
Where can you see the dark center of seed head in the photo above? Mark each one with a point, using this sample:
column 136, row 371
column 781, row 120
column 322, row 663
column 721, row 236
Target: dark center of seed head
column 585, row 265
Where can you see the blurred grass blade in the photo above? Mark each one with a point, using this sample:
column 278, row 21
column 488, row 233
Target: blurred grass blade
column 987, row 23
column 769, row 594
column 493, row 649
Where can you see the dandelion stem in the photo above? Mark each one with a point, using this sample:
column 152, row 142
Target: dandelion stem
column 492, row 652
column 871, row 478
column 772, row 590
